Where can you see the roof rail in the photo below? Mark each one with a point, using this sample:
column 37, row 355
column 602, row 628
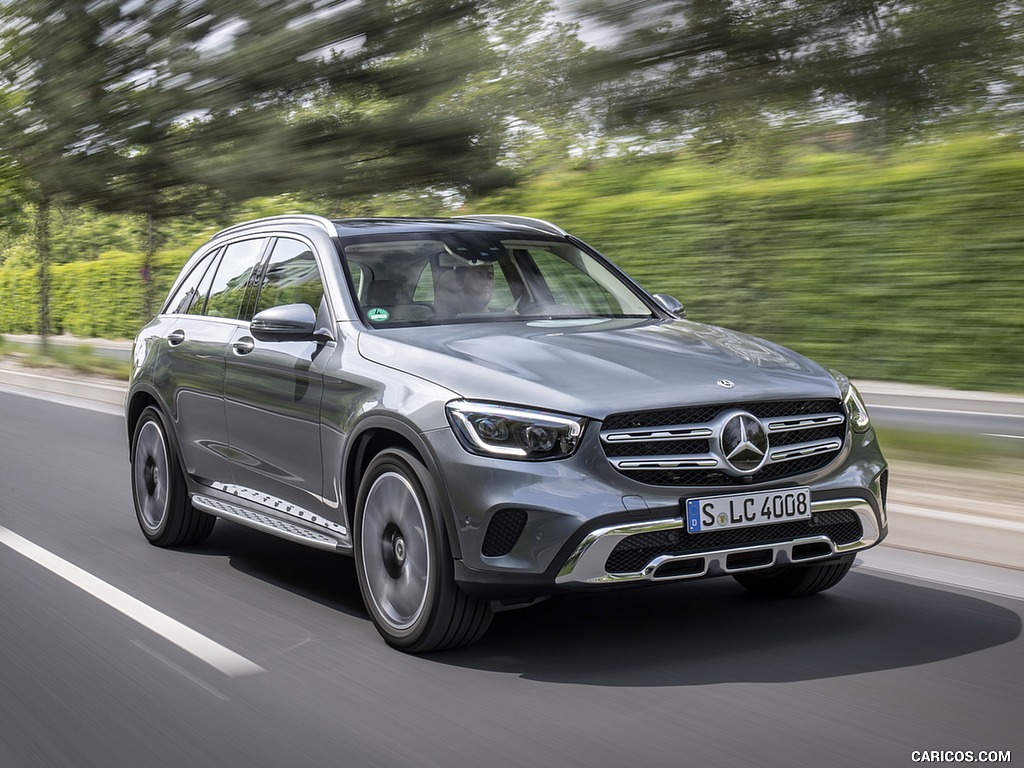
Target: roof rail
column 296, row 218
column 527, row 221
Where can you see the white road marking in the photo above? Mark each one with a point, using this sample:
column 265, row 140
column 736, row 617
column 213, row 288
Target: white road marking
column 950, row 411
column 1007, row 437
column 203, row 648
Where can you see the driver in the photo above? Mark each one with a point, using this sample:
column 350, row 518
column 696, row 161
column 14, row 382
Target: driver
column 477, row 287
column 464, row 290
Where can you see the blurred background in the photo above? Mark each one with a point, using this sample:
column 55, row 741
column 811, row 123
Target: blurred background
column 845, row 177
column 842, row 176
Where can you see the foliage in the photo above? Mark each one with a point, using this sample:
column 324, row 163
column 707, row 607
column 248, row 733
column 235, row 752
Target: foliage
column 710, row 69
column 155, row 107
column 829, row 185
column 904, row 267
column 161, row 109
column 102, row 298
column 909, row 267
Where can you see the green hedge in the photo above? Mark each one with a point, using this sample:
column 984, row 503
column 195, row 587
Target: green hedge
column 19, row 300
column 908, row 267
column 103, row 297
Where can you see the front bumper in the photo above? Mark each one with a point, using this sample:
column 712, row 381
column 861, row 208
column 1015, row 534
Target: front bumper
column 589, row 562
column 574, row 513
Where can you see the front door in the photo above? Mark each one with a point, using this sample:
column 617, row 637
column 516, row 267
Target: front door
column 273, row 391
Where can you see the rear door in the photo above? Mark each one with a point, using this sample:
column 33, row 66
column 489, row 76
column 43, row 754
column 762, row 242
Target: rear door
column 197, row 327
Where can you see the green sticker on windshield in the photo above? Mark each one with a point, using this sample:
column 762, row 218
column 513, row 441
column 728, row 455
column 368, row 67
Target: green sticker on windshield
column 378, row 315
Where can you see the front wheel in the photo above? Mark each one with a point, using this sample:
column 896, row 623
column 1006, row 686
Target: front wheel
column 796, row 580
column 404, row 563
column 162, row 505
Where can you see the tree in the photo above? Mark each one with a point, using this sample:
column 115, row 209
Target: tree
column 154, row 108
column 530, row 91
column 692, row 66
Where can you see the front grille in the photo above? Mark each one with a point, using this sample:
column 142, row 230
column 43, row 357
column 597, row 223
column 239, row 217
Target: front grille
column 503, row 532
column 682, row 446
column 660, row 448
column 633, row 553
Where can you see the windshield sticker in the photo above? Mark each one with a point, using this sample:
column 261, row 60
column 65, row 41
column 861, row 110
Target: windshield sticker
column 378, row 315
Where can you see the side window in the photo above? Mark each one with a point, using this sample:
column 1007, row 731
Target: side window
column 424, row 287
column 359, row 280
column 199, row 306
column 291, row 277
column 233, row 278
column 191, row 294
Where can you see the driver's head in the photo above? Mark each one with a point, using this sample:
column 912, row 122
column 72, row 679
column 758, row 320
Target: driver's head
column 477, row 287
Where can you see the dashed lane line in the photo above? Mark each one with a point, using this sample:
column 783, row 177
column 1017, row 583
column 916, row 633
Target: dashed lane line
column 203, row 648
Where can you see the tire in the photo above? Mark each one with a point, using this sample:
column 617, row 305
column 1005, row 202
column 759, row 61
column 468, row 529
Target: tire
column 162, row 506
column 404, row 563
column 796, row 580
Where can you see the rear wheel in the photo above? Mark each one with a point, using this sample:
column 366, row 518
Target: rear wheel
column 404, row 563
column 162, row 505
column 796, row 580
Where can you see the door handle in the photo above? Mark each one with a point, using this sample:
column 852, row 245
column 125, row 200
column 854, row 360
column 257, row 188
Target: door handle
column 244, row 345
column 174, row 338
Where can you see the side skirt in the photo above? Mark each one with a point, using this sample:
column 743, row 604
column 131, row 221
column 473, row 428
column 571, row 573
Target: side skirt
column 311, row 532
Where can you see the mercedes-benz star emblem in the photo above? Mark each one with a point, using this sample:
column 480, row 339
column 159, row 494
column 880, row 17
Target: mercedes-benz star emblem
column 744, row 443
column 725, row 383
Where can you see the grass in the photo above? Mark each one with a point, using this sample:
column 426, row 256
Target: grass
column 79, row 358
column 952, row 450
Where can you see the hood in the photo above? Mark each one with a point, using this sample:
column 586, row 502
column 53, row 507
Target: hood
column 593, row 368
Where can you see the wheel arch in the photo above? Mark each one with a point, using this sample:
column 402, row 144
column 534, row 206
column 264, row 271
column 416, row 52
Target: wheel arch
column 137, row 402
column 379, row 433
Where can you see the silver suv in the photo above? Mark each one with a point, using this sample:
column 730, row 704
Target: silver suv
column 484, row 411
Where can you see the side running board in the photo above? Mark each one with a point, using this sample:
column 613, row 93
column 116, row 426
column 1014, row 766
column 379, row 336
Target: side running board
column 293, row 530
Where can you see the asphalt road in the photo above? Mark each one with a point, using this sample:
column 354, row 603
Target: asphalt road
column 944, row 411
column 252, row 651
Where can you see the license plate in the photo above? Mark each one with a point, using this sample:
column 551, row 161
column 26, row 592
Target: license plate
column 739, row 510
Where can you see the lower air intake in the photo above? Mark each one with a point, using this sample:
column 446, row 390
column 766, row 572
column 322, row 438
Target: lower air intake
column 503, row 532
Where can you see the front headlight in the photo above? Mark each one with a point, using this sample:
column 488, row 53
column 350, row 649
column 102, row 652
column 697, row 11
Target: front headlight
column 856, row 411
column 513, row 433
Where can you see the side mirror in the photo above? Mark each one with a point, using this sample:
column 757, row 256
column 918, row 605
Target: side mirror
column 289, row 322
column 670, row 304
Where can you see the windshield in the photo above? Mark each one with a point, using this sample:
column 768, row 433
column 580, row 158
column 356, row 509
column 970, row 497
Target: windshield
column 453, row 278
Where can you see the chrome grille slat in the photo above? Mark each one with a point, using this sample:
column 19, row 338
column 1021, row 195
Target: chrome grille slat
column 661, row 448
column 802, row 450
column 665, row 433
column 803, row 422
column 666, row 462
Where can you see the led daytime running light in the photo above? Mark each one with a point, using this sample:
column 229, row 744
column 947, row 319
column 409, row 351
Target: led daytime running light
column 514, row 433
